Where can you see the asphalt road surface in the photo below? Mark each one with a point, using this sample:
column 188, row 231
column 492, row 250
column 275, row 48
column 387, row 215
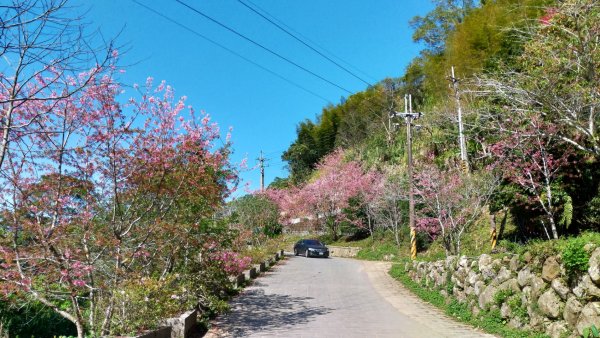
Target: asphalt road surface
column 335, row 297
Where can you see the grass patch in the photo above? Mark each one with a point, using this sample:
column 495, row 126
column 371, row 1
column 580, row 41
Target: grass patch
column 346, row 242
column 490, row 321
column 269, row 247
column 378, row 252
column 374, row 248
column 544, row 248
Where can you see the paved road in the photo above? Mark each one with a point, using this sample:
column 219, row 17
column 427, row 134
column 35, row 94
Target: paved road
column 336, row 297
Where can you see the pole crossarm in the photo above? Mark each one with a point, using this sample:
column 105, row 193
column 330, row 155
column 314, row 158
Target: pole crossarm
column 409, row 116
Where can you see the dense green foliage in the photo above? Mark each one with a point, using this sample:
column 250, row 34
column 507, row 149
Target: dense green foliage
column 33, row 320
column 255, row 215
column 575, row 258
column 352, row 122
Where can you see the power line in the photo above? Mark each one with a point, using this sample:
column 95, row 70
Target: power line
column 302, row 42
column 275, row 151
column 232, row 52
column 311, row 41
column 261, row 46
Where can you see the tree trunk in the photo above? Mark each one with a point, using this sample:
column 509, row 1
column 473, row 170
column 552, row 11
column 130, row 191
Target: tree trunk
column 6, row 131
column 553, row 227
column 80, row 330
column 396, row 234
column 105, row 328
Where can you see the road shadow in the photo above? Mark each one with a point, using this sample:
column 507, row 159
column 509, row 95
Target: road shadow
column 254, row 311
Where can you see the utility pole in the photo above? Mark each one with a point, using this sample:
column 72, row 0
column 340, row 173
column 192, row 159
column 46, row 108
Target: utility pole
column 461, row 136
column 409, row 117
column 261, row 163
column 463, row 153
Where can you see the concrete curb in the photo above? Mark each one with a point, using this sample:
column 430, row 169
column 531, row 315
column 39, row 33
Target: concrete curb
column 182, row 325
column 255, row 271
column 163, row 332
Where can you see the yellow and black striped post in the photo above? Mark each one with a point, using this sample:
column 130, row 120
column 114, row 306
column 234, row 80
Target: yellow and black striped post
column 464, row 166
column 493, row 237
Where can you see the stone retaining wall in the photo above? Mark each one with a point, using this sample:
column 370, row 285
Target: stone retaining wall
column 530, row 294
column 343, row 251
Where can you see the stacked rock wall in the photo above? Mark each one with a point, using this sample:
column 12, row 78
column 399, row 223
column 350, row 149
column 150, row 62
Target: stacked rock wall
column 528, row 293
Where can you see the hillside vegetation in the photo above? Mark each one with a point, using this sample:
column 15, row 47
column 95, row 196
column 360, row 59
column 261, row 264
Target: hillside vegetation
column 526, row 81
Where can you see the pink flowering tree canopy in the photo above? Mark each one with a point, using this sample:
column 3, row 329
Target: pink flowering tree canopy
column 110, row 192
column 324, row 198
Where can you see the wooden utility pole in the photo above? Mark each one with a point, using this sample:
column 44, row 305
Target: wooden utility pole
column 461, row 136
column 409, row 117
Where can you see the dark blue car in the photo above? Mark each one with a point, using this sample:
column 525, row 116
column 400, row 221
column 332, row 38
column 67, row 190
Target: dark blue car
column 311, row 248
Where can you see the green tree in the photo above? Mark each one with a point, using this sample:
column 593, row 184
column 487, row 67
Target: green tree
column 433, row 28
column 257, row 214
column 303, row 154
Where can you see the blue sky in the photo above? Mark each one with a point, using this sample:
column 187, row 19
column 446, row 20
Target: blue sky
column 372, row 36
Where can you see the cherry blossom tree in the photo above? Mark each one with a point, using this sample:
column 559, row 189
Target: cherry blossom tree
column 370, row 200
column 46, row 58
column 329, row 194
column 290, row 204
column 109, row 193
column 452, row 201
column 388, row 202
column 532, row 157
column 324, row 199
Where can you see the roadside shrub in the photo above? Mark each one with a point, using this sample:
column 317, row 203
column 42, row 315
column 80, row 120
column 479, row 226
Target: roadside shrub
column 541, row 249
column 141, row 304
column 591, row 213
column 232, row 262
column 575, row 258
column 424, row 241
column 509, row 245
column 501, row 296
column 273, row 230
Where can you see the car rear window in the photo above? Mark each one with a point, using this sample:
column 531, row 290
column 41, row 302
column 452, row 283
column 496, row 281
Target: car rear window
column 312, row 242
